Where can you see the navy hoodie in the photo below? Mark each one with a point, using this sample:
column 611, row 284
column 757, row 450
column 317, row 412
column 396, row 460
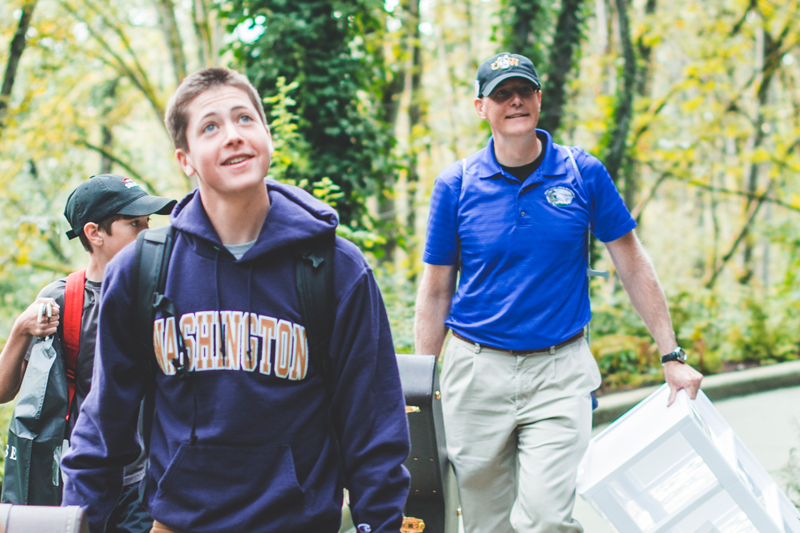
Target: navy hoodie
column 263, row 460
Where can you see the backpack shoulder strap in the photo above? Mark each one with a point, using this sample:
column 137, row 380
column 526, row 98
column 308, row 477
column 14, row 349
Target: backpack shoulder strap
column 314, row 280
column 71, row 330
column 575, row 166
column 150, row 264
column 463, row 180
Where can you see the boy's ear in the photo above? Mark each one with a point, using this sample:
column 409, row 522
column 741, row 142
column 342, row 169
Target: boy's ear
column 183, row 160
column 269, row 141
column 93, row 234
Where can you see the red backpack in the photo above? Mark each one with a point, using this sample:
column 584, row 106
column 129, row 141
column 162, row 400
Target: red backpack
column 71, row 337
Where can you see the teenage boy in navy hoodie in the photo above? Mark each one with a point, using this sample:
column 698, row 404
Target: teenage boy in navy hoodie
column 241, row 442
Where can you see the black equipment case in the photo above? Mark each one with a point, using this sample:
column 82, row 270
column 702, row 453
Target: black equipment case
column 433, row 497
column 433, row 504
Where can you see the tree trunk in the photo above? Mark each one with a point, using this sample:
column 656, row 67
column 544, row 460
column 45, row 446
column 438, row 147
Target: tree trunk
column 768, row 52
column 567, row 39
column 632, row 172
column 15, row 53
column 387, row 205
column 526, row 25
column 169, row 27
column 414, row 119
column 107, row 136
column 206, row 50
column 645, row 52
column 623, row 109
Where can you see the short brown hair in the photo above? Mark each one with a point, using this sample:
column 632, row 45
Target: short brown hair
column 197, row 83
column 104, row 225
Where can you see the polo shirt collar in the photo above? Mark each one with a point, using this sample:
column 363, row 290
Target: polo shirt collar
column 485, row 164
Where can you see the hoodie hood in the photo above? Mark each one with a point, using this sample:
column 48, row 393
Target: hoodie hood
column 294, row 216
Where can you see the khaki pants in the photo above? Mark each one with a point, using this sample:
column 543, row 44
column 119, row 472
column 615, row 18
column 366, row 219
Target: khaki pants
column 158, row 527
column 517, row 427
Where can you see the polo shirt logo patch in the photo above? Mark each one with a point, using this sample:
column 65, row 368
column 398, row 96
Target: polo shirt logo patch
column 559, row 196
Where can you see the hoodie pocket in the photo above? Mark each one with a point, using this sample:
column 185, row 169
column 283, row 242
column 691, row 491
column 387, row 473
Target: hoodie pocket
column 211, row 488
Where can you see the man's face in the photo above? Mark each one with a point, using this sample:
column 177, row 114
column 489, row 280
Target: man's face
column 229, row 148
column 123, row 232
column 512, row 109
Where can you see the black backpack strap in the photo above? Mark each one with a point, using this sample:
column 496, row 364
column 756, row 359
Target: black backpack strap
column 150, row 264
column 153, row 250
column 314, row 279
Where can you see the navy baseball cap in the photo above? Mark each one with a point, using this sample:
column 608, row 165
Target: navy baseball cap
column 107, row 195
column 501, row 67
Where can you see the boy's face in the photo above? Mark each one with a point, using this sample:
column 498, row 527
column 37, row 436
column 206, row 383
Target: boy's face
column 123, row 232
column 229, row 148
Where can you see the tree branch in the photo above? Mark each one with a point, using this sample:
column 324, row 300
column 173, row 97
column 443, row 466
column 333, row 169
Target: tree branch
column 41, row 265
column 699, row 184
column 133, row 174
column 623, row 112
column 123, row 68
column 15, row 53
column 169, row 27
column 750, row 217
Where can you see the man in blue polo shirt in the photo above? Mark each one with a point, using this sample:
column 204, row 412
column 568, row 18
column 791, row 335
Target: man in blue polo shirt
column 512, row 220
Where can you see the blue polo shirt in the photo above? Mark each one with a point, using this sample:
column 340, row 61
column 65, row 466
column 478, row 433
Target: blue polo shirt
column 522, row 246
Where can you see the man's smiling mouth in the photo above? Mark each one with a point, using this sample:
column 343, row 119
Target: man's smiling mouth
column 237, row 159
column 517, row 115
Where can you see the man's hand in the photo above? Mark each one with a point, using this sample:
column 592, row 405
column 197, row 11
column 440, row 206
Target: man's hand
column 681, row 376
column 40, row 319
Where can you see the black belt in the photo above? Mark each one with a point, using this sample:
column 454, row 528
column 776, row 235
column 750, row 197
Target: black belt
column 550, row 350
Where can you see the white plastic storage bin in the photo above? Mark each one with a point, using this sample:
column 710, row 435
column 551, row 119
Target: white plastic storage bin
column 680, row 470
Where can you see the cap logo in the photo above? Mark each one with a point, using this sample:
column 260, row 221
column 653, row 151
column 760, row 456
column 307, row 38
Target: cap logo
column 129, row 183
column 559, row 196
column 505, row 62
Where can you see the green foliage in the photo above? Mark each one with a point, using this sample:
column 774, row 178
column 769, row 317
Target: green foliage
column 290, row 162
column 527, row 28
column 291, row 148
column 323, row 47
column 399, row 298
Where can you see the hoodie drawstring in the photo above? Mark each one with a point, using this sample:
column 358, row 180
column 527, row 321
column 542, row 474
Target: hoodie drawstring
column 249, row 310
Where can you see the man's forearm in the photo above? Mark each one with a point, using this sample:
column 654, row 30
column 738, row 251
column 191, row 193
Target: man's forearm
column 429, row 328
column 12, row 361
column 647, row 298
column 640, row 280
column 433, row 306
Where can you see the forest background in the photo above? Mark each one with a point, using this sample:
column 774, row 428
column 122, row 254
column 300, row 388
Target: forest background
column 693, row 106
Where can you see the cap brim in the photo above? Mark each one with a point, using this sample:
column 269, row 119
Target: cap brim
column 487, row 90
column 148, row 205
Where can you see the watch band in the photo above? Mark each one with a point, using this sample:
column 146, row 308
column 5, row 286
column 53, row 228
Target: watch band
column 676, row 355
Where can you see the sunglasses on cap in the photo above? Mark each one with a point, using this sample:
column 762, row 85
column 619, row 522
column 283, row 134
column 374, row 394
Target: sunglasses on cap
column 525, row 90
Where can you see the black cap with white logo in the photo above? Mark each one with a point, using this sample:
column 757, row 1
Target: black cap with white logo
column 501, row 67
column 107, row 195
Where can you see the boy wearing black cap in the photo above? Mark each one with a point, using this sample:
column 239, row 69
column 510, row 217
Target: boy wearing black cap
column 517, row 375
column 106, row 213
